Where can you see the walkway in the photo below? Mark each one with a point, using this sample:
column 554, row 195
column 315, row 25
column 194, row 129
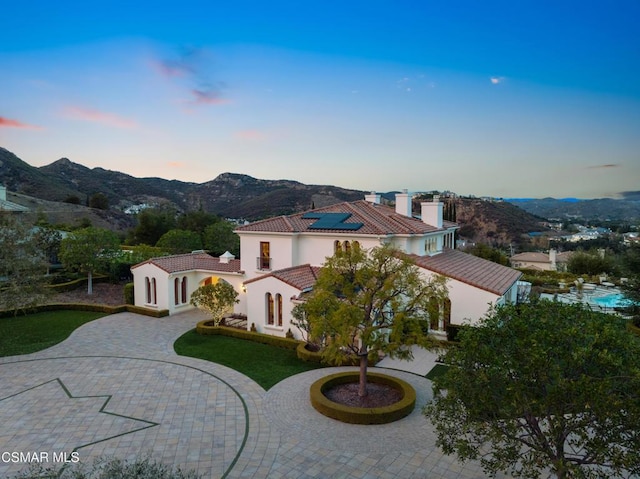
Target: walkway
column 116, row 387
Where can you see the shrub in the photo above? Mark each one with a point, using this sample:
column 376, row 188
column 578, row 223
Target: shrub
column 111, row 468
column 129, row 294
column 360, row 415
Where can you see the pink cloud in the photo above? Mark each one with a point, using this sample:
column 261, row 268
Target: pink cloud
column 175, row 164
column 97, row 116
column 250, row 135
column 207, row 97
column 171, row 69
column 9, row 123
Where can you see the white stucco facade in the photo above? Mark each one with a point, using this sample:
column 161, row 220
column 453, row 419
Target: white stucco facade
column 280, row 257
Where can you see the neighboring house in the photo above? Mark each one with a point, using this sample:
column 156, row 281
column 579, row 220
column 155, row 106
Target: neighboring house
column 281, row 257
column 552, row 261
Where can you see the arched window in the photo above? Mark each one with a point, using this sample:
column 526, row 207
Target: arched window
column 356, row 245
column 147, row 287
column 434, row 314
column 184, row 290
column 270, row 309
column 153, row 291
column 347, row 246
column 279, row 308
column 176, row 295
column 447, row 314
column 337, row 246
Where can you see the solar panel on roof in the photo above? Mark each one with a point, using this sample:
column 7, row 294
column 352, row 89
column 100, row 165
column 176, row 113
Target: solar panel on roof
column 331, row 221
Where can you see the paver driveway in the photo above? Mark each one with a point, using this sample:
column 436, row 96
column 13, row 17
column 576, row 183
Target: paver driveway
column 116, row 387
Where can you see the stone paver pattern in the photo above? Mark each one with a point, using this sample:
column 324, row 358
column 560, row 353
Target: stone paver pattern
column 116, row 387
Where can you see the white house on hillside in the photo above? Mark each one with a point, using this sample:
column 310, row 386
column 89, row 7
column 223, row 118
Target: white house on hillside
column 280, row 259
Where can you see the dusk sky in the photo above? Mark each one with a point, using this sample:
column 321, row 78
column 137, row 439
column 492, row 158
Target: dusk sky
column 502, row 98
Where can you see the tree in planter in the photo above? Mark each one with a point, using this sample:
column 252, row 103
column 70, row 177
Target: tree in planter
column 216, row 299
column 89, row 250
column 369, row 302
column 542, row 386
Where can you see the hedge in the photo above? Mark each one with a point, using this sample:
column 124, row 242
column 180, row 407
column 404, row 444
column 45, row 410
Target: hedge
column 361, row 415
column 101, row 308
column 203, row 328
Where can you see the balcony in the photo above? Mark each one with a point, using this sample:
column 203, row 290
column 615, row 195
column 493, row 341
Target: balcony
column 263, row 263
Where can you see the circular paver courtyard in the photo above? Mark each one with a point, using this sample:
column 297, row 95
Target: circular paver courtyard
column 116, row 388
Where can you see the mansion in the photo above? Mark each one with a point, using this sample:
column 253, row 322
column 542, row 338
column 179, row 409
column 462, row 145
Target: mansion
column 280, row 259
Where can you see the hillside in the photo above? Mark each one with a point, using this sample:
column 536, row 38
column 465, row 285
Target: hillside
column 494, row 223
column 229, row 195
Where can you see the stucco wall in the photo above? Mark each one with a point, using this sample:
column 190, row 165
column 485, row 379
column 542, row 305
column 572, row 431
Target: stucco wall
column 257, row 307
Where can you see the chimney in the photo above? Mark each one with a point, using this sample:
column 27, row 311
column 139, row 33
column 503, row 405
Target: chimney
column 403, row 203
column 432, row 212
column 373, row 197
column 226, row 257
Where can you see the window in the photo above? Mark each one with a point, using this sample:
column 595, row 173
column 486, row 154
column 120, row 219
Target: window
column 431, row 245
column 270, row 309
column 264, row 260
column 279, row 309
column 150, row 290
column 176, row 297
column 184, row 290
column 337, row 246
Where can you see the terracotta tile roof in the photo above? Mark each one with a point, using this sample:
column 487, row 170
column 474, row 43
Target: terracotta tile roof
column 376, row 219
column 531, row 256
column 300, row 277
column 192, row 261
column 471, row 270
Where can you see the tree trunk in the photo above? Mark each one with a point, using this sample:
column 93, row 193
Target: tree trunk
column 364, row 362
column 89, row 283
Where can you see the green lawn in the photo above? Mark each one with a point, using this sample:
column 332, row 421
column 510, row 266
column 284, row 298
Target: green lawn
column 266, row 365
column 35, row 332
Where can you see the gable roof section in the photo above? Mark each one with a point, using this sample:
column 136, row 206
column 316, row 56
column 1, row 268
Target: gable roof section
column 191, row 262
column 300, row 277
column 376, row 219
column 469, row 269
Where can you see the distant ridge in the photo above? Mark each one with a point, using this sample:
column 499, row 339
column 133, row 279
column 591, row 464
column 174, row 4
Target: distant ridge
column 229, row 195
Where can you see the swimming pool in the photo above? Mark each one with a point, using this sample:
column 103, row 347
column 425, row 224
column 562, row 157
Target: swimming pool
column 612, row 301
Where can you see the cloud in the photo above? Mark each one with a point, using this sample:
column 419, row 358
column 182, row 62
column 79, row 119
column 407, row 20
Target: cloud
column 97, row 116
column 210, row 96
column 192, row 66
column 608, row 165
column 9, row 123
column 175, row 164
column 250, row 135
column 497, row 80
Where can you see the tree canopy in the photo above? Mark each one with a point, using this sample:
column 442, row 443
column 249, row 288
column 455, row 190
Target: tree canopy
column 216, row 299
column 22, row 265
column 89, row 250
column 180, row 241
column 540, row 387
column 371, row 301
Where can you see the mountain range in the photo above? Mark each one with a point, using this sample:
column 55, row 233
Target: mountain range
column 49, row 189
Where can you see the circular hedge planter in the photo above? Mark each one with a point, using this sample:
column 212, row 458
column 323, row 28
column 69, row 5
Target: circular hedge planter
column 362, row 415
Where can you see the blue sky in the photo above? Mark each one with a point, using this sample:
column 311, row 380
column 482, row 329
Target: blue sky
column 501, row 98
